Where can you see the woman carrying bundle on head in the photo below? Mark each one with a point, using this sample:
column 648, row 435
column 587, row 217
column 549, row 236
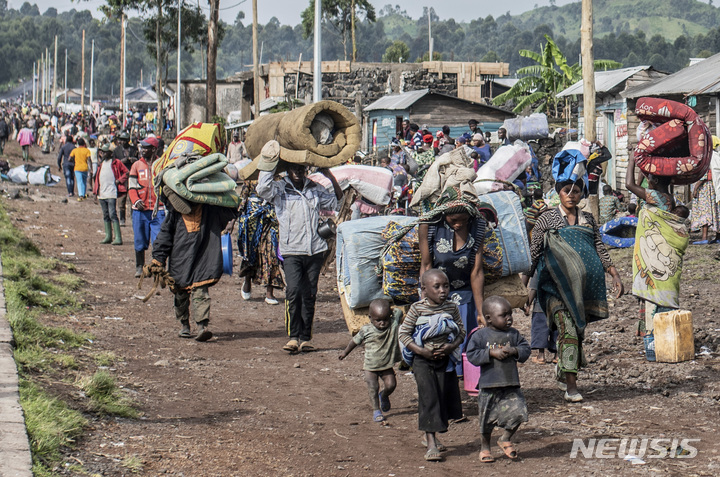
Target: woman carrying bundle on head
column 567, row 252
column 451, row 239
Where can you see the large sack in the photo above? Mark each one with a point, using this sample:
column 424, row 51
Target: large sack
column 373, row 183
column 18, row 175
column 525, row 128
column 358, row 249
column 40, row 176
column 680, row 147
column 505, row 165
column 294, row 131
column 511, row 231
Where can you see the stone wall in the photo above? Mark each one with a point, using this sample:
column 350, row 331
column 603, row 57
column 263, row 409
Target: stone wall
column 371, row 83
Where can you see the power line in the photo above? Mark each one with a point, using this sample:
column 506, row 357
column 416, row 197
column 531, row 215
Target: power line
column 225, row 8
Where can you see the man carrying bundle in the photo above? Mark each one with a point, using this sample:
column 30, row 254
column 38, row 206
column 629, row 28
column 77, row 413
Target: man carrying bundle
column 190, row 238
column 297, row 202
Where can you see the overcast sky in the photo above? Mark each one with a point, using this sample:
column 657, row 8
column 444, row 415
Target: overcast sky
column 288, row 11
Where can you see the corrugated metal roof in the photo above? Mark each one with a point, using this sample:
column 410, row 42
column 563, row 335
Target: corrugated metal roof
column 701, row 78
column 396, row 102
column 605, row 81
column 507, row 82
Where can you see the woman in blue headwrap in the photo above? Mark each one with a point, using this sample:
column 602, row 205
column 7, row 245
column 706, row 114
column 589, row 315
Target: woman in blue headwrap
column 570, row 258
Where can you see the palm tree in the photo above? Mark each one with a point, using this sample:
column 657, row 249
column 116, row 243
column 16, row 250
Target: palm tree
column 541, row 83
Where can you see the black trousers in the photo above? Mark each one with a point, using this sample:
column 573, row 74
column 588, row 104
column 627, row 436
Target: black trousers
column 438, row 394
column 301, row 277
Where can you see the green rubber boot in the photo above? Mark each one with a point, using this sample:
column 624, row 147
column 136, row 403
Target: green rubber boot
column 108, row 233
column 116, row 231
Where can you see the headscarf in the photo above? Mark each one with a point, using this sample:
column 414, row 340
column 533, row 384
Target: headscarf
column 580, row 182
column 454, row 201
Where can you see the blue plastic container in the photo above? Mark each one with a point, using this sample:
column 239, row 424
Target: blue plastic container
column 227, row 253
column 649, row 341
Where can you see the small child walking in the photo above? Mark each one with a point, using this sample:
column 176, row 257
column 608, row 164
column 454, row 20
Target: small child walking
column 497, row 350
column 431, row 333
column 382, row 351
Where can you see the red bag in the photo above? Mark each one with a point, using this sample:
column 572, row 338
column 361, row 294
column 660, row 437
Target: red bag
column 681, row 147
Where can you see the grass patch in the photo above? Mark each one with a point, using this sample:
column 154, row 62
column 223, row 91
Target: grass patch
column 51, row 424
column 34, row 285
column 106, row 397
column 106, row 358
column 133, row 464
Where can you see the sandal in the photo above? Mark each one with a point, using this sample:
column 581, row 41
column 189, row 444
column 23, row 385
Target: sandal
column 433, row 455
column 538, row 360
column 306, row 347
column 291, row 346
column 508, row 449
column 438, row 445
column 486, row 457
column 384, row 402
column 378, row 416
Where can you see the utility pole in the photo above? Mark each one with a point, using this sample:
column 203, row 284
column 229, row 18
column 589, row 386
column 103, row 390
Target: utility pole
column 65, row 80
column 588, row 71
column 92, row 72
column 317, row 72
column 42, row 78
column 430, row 40
column 211, row 82
column 34, row 97
column 352, row 27
column 47, row 75
column 256, row 66
column 54, row 101
column 122, row 72
column 82, row 75
column 178, row 110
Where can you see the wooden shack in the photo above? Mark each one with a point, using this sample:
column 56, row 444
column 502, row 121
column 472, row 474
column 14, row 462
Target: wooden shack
column 382, row 119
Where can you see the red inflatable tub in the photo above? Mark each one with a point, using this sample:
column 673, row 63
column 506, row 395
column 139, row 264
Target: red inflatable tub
column 680, row 147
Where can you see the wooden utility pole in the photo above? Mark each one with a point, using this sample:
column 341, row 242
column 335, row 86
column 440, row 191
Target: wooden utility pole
column 256, row 66
column 159, row 89
column 211, row 82
column 588, row 72
column 54, row 98
column 82, row 75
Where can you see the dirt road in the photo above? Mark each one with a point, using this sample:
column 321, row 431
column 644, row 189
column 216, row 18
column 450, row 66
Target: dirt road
column 238, row 405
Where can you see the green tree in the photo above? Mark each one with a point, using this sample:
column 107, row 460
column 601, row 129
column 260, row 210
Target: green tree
column 396, row 53
column 540, row 83
column 340, row 15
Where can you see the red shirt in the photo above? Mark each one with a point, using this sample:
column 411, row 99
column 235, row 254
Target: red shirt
column 140, row 187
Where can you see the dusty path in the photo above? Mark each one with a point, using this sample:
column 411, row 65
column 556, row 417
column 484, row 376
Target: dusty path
column 238, row 405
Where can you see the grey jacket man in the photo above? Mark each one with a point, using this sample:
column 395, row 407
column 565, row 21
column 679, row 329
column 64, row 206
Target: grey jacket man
column 298, row 212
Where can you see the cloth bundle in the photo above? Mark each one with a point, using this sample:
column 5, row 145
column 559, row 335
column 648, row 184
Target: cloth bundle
column 571, row 163
column 400, row 262
column 525, row 128
column 374, row 184
column 192, row 168
column 427, row 327
column 453, row 169
column 505, row 165
column 661, row 239
column 679, row 147
column 322, row 134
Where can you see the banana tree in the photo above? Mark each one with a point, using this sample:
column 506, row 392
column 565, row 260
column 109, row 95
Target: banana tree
column 539, row 84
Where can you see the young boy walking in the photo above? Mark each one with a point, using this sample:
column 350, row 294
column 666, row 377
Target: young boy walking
column 497, row 350
column 380, row 337
column 431, row 333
